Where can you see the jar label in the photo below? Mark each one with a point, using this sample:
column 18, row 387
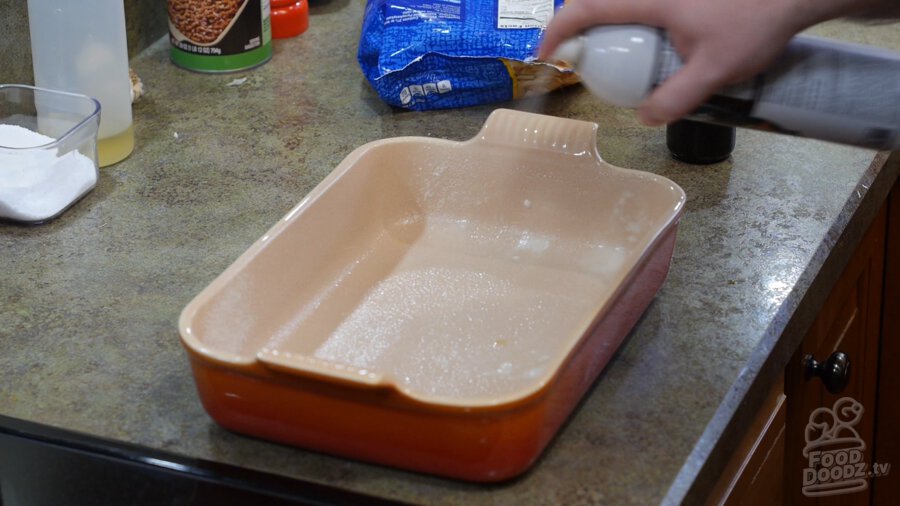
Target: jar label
column 219, row 36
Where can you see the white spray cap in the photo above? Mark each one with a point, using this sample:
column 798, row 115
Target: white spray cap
column 615, row 62
column 570, row 50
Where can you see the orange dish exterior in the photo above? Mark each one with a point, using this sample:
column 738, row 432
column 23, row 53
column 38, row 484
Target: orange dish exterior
column 484, row 444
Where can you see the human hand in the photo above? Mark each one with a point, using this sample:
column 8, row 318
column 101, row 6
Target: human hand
column 720, row 41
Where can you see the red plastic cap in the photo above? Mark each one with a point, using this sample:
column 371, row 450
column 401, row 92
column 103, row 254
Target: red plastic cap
column 289, row 18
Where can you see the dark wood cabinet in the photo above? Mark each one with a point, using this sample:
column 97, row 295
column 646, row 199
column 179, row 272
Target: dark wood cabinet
column 814, row 445
column 830, row 435
column 755, row 473
column 887, row 428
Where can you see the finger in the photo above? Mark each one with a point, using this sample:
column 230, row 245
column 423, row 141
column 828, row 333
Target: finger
column 681, row 93
column 576, row 16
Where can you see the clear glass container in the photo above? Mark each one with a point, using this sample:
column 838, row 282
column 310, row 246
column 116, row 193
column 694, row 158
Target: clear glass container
column 48, row 151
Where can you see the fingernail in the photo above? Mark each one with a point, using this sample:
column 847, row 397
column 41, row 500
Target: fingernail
column 650, row 119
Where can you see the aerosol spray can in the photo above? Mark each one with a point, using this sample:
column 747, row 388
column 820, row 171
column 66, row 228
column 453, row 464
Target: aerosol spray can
column 817, row 88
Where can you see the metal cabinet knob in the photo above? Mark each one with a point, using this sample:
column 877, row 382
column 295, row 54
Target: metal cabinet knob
column 835, row 371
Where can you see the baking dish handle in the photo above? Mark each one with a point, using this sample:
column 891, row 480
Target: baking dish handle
column 520, row 129
column 302, row 365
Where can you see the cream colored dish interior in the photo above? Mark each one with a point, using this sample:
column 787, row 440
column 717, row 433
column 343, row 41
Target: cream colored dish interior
column 458, row 272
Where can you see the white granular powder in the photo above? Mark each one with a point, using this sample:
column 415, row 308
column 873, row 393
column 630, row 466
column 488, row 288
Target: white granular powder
column 38, row 184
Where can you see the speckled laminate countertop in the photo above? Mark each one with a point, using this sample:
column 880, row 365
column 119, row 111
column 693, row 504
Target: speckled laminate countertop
column 89, row 302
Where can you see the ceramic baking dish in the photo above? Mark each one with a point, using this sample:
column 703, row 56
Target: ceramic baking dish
column 434, row 305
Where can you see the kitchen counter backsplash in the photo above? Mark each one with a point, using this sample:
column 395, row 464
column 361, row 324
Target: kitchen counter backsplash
column 145, row 23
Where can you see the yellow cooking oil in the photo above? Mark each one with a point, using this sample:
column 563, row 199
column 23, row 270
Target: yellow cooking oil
column 115, row 148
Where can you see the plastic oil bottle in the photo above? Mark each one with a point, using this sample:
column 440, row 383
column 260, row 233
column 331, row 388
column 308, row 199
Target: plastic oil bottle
column 80, row 46
column 817, row 88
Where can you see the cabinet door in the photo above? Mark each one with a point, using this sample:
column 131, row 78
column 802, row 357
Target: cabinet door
column 887, row 437
column 829, row 437
column 755, row 474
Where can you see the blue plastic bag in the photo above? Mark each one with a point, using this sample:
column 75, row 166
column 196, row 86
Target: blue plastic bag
column 438, row 54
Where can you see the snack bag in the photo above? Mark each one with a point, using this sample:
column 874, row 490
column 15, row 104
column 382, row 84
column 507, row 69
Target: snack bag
column 439, row 54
